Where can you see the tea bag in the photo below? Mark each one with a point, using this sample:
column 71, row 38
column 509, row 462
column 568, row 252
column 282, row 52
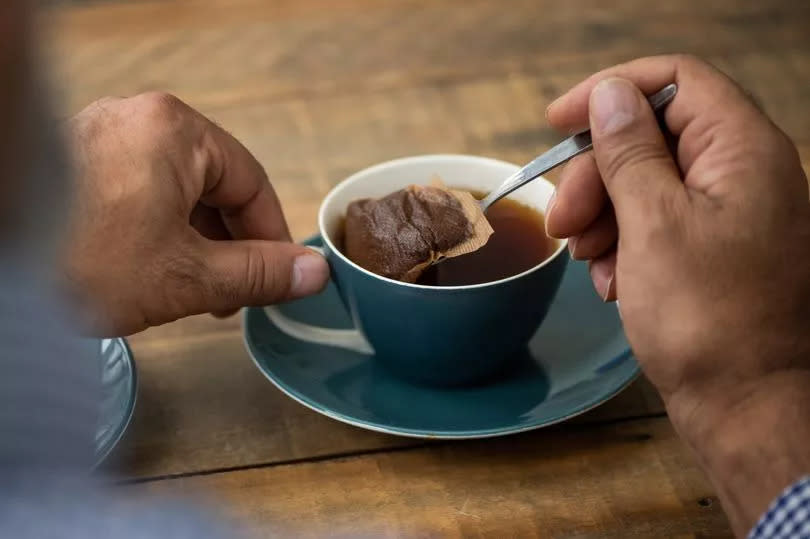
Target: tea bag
column 401, row 234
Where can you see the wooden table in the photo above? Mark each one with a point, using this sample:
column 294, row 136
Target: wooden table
column 320, row 88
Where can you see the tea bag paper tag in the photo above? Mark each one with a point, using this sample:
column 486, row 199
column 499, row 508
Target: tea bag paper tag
column 402, row 234
column 480, row 229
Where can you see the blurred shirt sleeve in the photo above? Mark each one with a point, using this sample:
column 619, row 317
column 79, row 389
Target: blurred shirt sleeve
column 50, row 380
column 788, row 516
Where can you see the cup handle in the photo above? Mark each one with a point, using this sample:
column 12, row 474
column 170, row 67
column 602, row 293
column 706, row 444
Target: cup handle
column 348, row 339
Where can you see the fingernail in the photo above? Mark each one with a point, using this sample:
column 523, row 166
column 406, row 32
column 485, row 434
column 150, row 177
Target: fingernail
column 550, row 208
column 601, row 273
column 550, row 105
column 606, row 293
column 614, row 105
column 309, row 275
column 572, row 245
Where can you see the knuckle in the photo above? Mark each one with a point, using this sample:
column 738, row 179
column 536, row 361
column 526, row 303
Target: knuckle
column 162, row 111
column 158, row 102
column 782, row 145
column 102, row 104
column 630, row 157
column 185, row 272
column 91, row 119
column 182, row 285
column 258, row 275
column 264, row 281
column 689, row 61
column 692, row 66
column 770, row 150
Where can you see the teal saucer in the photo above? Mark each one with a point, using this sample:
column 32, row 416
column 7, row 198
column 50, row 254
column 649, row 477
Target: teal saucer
column 119, row 383
column 577, row 360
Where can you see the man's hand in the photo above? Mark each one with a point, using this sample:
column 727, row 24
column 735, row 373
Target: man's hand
column 708, row 253
column 172, row 217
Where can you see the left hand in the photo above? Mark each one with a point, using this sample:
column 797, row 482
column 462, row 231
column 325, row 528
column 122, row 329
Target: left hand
column 173, row 216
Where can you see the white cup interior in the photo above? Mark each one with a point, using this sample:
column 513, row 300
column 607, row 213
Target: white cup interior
column 463, row 171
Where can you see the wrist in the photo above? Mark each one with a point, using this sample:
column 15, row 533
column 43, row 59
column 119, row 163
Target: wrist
column 751, row 438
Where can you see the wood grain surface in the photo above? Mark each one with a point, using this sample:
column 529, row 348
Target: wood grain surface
column 318, row 89
column 622, row 480
column 203, row 405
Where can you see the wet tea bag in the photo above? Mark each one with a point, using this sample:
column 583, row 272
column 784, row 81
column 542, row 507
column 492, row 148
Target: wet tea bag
column 401, row 234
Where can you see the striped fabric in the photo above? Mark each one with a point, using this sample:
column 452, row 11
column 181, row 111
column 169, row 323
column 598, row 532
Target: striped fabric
column 788, row 516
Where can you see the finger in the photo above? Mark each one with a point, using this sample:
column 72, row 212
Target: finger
column 579, row 199
column 237, row 185
column 208, row 222
column 253, row 272
column 603, row 271
column 597, row 239
column 641, row 178
column 224, row 314
column 703, row 92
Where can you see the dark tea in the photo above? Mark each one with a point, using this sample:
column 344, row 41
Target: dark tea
column 518, row 244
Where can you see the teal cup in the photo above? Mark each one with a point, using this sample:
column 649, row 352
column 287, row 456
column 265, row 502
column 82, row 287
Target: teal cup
column 442, row 336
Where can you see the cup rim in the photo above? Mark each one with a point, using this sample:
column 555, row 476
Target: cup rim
column 563, row 243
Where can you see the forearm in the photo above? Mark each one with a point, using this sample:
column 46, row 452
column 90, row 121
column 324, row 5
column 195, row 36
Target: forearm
column 753, row 442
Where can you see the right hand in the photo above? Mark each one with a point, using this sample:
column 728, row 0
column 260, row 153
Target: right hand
column 707, row 251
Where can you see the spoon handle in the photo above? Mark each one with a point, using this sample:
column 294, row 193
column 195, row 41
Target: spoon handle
column 562, row 152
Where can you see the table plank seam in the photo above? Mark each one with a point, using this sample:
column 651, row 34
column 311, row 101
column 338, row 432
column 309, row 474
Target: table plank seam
column 422, row 444
column 275, row 464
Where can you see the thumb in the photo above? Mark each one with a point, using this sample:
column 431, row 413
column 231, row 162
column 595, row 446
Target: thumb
column 255, row 272
column 634, row 161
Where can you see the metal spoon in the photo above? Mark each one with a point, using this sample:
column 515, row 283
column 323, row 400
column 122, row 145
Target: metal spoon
column 562, row 152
